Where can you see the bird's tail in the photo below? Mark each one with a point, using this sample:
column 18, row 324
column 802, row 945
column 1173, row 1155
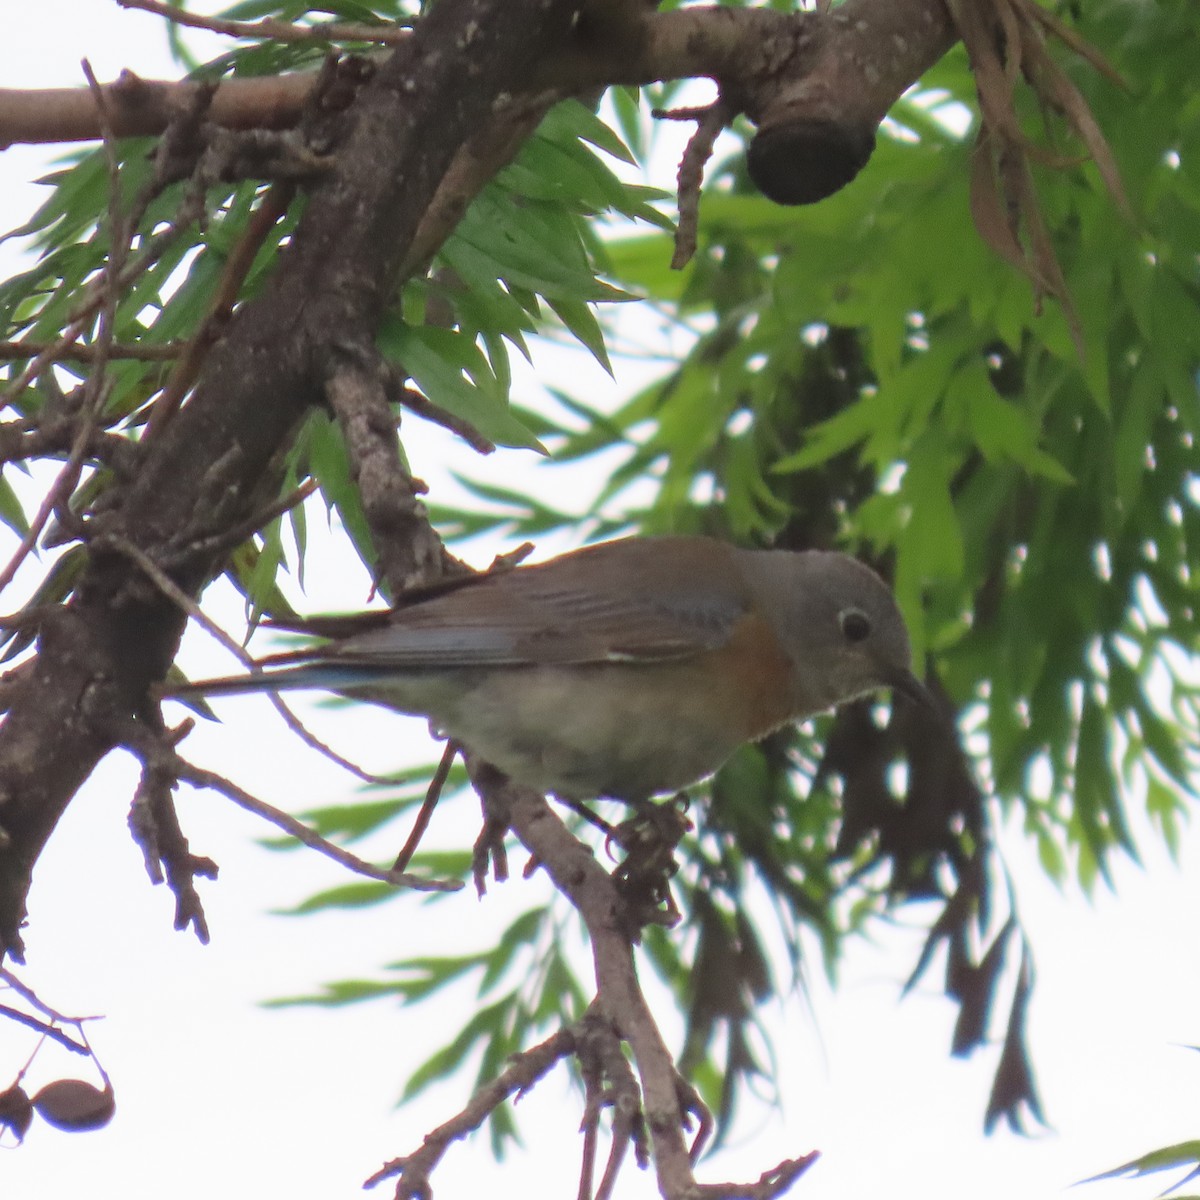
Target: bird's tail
column 325, row 676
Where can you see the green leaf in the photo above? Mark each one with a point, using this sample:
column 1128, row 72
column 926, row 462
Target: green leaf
column 454, row 373
column 11, row 512
column 1182, row 1154
column 1004, row 431
column 581, row 321
column 520, row 934
column 483, row 1027
column 346, row 895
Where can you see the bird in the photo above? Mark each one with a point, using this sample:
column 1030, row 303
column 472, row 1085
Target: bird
column 623, row 670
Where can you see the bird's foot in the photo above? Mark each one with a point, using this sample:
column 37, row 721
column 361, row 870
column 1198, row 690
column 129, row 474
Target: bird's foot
column 649, row 839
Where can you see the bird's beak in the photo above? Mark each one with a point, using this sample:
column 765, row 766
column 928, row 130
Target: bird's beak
column 902, row 680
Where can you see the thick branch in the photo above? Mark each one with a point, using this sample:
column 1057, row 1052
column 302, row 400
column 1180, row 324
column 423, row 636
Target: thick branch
column 843, row 68
column 145, row 107
column 410, row 552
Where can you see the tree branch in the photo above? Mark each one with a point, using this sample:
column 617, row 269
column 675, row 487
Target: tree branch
column 201, row 778
column 410, row 552
column 598, row 898
column 413, row 1170
column 816, row 83
column 141, row 351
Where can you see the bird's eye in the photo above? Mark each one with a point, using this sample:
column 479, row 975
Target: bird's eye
column 855, row 624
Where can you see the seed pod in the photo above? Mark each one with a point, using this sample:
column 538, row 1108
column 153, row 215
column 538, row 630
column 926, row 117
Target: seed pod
column 75, row 1104
column 16, row 1112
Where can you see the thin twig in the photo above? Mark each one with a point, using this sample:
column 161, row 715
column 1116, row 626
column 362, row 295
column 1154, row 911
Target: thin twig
column 10, row 351
column 35, row 1001
column 154, row 823
column 186, row 604
column 710, row 121
column 692, row 1104
column 56, row 349
column 770, row 1184
column 590, row 1128
column 271, row 29
column 628, row 1122
column 411, row 399
column 119, row 233
column 95, row 391
column 432, row 795
column 235, row 536
column 522, row 1072
column 50, row 1031
column 199, row 777
column 489, row 848
column 31, row 997
column 58, row 493
column 56, row 435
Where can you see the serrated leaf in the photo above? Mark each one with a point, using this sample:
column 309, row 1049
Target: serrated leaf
column 454, row 373
column 581, row 321
column 482, row 1027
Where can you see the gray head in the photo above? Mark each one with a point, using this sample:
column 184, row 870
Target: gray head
column 839, row 624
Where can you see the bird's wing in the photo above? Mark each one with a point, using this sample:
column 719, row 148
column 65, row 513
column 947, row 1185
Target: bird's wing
column 623, row 601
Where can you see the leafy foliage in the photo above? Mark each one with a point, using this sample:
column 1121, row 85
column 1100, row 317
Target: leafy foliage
column 863, row 373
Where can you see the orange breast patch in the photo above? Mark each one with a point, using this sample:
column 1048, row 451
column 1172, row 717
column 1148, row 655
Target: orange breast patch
column 753, row 678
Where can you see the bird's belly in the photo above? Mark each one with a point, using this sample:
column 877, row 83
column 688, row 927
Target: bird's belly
column 617, row 730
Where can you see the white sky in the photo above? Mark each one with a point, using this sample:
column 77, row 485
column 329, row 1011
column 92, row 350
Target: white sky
column 218, row 1097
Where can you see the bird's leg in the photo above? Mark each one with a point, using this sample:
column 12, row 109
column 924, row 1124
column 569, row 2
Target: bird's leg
column 593, row 818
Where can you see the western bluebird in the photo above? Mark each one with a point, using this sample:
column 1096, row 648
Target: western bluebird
column 624, row 669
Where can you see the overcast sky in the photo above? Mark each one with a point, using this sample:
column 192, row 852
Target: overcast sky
column 216, row 1096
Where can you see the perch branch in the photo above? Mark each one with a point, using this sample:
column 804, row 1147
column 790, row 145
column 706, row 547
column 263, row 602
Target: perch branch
column 598, row 898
